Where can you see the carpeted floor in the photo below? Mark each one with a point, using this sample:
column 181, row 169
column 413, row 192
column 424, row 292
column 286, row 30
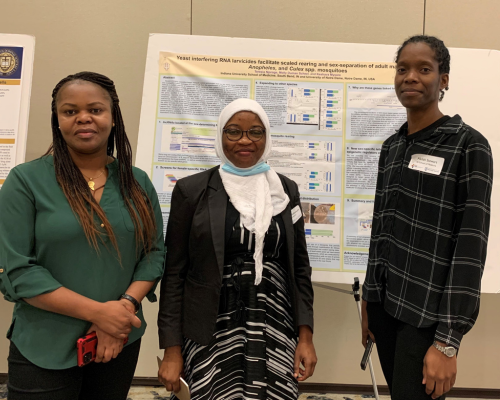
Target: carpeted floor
column 156, row 393
column 159, row 393
column 145, row 393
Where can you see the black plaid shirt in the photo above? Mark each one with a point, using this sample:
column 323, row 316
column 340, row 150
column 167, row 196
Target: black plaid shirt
column 430, row 232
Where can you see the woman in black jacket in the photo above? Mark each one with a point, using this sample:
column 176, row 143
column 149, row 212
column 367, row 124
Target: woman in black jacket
column 236, row 305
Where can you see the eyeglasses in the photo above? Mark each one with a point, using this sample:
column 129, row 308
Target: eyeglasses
column 254, row 134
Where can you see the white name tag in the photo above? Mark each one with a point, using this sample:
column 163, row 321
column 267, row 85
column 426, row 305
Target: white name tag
column 296, row 214
column 430, row 164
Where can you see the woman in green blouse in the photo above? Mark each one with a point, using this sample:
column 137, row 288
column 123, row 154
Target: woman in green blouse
column 81, row 244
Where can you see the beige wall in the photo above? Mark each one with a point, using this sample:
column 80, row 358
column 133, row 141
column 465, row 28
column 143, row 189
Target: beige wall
column 351, row 21
column 465, row 23
column 111, row 37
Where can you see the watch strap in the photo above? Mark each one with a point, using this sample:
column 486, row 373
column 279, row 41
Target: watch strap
column 128, row 297
column 448, row 351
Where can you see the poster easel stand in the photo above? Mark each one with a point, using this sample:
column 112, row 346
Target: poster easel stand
column 357, row 298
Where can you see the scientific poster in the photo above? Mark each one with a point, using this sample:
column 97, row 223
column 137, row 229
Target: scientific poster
column 328, row 121
column 331, row 106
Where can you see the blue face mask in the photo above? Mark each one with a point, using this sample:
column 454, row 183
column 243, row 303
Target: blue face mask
column 256, row 169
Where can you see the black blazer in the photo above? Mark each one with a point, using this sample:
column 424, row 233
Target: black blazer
column 191, row 286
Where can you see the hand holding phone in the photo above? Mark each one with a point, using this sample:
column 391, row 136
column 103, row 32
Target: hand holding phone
column 87, row 347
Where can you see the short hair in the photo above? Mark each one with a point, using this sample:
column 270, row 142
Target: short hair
column 441, row 53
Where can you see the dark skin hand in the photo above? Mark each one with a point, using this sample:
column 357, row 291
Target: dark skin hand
column 108, row 346
column 440, row 372
column 305, row 354
column 171, row 368
column 365, row 332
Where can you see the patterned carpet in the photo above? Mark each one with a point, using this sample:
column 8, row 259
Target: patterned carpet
column 158, row 393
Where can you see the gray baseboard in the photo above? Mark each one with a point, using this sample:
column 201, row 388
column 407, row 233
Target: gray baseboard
column 338, row 388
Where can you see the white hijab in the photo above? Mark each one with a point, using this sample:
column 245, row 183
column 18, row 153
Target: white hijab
column 256, row 197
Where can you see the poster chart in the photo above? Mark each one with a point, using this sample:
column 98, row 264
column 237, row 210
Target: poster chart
column 329, row 111
column 16, row 68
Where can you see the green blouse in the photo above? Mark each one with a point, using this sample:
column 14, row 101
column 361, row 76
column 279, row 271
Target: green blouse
column 43, row 247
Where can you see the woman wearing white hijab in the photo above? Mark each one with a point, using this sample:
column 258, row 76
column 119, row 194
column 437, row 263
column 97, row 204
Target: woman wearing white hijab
column 236, row 299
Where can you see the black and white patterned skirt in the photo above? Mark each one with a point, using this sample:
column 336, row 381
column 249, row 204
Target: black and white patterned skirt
column 251, row 354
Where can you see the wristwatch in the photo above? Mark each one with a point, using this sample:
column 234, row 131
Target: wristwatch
column 448, row 351
column 136, row 304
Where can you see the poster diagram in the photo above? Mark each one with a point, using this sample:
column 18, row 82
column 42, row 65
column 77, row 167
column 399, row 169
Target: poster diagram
column 303, row 106
column 170, row 178
column 321, row 224
column 187, row 139
column 322, row 107
column 365, row 217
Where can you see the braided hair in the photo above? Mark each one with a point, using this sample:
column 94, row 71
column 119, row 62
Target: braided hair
column 441, row 53
column 75, row 187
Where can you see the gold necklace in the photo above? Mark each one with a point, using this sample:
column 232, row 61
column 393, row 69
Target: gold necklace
column 91, row 183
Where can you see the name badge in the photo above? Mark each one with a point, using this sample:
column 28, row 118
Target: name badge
column 296, row 214
column 430, row 164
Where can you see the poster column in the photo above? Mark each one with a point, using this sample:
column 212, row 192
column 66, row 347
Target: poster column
column 373, row 113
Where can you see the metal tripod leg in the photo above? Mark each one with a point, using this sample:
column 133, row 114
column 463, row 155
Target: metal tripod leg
column 357, row 298
column 355, row 289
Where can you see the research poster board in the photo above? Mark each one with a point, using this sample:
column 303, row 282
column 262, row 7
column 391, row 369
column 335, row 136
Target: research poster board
column 330, row 106
column 16, row 70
